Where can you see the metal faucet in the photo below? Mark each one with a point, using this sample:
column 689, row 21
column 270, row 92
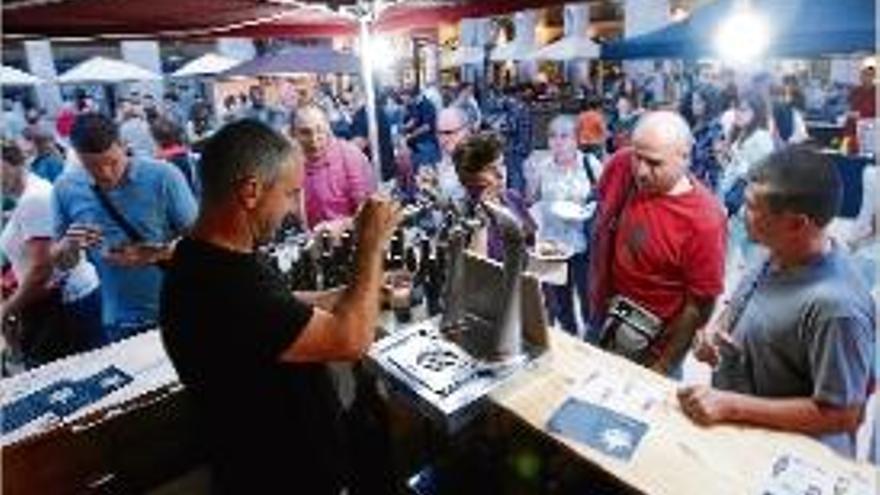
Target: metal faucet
column 504, row 338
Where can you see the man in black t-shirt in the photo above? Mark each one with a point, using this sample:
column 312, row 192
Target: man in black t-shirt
column 251, row 353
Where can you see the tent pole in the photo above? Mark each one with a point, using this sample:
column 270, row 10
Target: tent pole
column 365, row 22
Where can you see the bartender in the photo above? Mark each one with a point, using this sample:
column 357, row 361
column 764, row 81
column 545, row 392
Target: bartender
column 253, row 355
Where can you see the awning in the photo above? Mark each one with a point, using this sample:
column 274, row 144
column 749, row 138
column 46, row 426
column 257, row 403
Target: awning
column 568, row 48
column 511, row 52
column 799, row 28
column 464, row 55
column 248, row 18
column 318, row 60
column 106, row 70
column 428, row 14
column 207, row 64
column 170, row 19
column 10, row 76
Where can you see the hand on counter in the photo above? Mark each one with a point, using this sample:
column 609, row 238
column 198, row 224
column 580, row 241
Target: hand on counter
column 706, row 405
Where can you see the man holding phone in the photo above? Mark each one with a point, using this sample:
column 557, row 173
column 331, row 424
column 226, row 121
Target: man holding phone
column 127, row 212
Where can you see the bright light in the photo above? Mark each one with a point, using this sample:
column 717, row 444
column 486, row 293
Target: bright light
column 382, row 53
column 679, row 14
column 743, row 37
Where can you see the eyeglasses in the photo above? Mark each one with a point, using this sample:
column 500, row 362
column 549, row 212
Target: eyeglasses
column 449, row 132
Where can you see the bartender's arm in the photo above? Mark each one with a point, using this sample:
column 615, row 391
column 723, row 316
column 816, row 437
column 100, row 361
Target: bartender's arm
column 346, row 330
column 694, row 315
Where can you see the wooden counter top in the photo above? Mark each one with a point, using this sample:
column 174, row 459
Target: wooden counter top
column 675, row 456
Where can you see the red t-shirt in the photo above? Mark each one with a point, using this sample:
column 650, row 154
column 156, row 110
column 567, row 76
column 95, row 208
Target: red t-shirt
column 668, row 247
column 863, row 99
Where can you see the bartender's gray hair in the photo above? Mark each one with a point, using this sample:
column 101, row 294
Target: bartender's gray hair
column 242, row 149
column 671, row 126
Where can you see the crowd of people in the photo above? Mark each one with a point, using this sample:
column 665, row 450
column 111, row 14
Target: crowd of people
column 711, row 223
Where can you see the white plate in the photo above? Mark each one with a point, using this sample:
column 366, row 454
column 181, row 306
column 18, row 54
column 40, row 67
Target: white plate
column 562, row 252
column 569, row 210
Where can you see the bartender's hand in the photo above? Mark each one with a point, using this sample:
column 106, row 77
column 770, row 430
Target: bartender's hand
column 376, row 221
column 706, row 405
column 138, row 254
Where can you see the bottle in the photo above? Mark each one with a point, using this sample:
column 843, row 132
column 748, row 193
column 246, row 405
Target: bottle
column 417, row 290
column 307, row 279
column 328, row 271
column 432, row 284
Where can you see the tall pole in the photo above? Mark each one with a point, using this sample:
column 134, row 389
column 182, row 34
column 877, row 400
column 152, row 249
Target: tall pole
column 366, row 21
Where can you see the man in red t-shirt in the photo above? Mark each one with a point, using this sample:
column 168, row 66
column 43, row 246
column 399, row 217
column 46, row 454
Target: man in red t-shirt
column 666, row 251
column 862, row 105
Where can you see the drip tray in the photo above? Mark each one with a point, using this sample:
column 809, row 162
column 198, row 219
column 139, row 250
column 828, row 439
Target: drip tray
column 439, row 365
column 443, row 380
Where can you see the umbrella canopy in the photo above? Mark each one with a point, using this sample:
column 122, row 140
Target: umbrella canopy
column 207, row 64
column 568, row 48
column 107, row 70
column 464, row 55
column 318, row 60
column 10, row 76
column 798, row 29
column 512, row 51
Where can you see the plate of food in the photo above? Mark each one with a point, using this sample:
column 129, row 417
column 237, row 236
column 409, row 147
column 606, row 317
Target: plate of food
column 571, row 211
column 549, row 250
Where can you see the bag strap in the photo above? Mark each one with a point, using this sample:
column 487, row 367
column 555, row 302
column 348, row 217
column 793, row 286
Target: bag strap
column 133, row 234
column 590, row 175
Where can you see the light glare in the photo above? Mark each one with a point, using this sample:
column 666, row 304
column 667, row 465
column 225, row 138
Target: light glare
column 742, row 38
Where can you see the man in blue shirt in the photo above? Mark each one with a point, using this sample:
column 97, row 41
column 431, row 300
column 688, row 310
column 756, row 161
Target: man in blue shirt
column 795, row 349
column 134, row 209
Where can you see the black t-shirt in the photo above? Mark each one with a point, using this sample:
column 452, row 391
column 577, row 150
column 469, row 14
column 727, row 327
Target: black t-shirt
column 271, row 427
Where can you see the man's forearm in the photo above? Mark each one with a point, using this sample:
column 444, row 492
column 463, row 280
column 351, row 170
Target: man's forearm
column 358, row 307
column 693, row 316
column 325, row 299
column 803, row 415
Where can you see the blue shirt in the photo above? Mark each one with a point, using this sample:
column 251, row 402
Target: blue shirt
column 155, row 199
column 806, row 332
column 48, row 166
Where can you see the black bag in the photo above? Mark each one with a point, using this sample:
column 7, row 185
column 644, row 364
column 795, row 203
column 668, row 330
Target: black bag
column 45, row 333
column 630, row 330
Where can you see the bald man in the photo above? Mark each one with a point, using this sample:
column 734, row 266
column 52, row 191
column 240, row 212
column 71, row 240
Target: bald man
column 658, row 245
column 338, row 175
column 452, row 129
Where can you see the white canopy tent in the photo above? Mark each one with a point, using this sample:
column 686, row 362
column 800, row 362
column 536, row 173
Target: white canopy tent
column 10, row 76
column 464, row 55
column 511, row 52
column 208, row 64
column 107, row 71
column 568, row 48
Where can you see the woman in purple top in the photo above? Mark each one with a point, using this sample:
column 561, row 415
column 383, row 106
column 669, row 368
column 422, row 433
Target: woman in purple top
column 338, row 176
column 479, row 162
